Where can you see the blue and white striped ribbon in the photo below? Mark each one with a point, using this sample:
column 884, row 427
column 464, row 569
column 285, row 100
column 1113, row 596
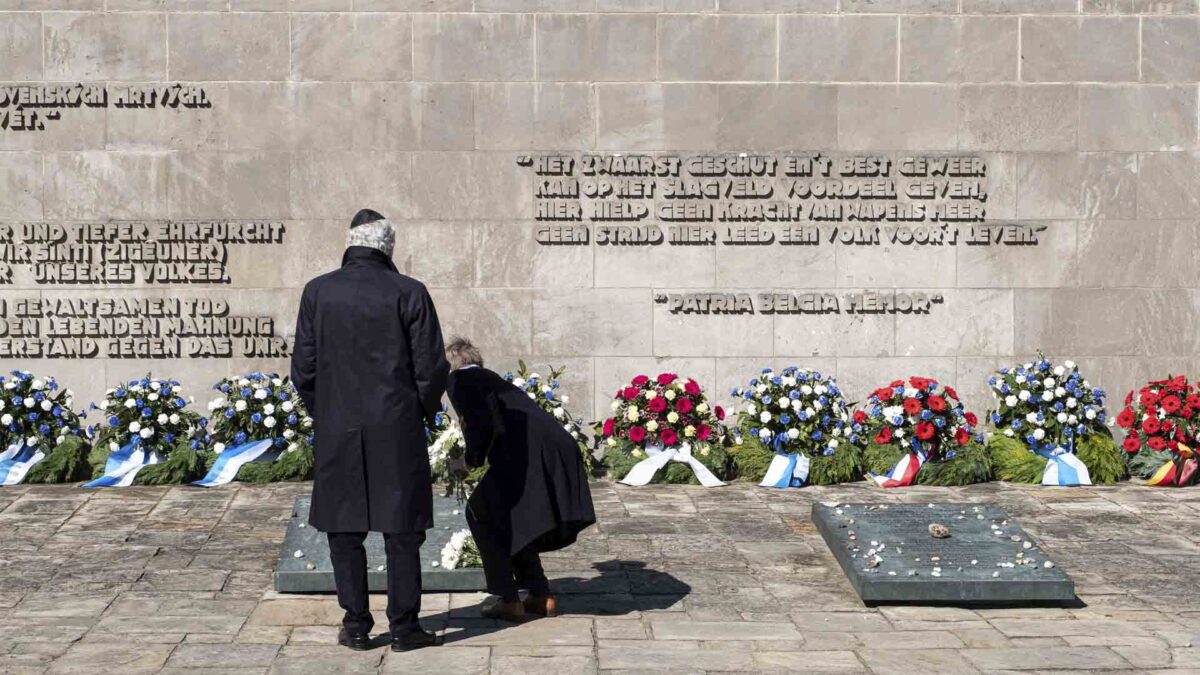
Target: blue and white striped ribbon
column 787, row 471
column 16, row 461
column 231, row 459
column 1064, row 469
column 123, row 465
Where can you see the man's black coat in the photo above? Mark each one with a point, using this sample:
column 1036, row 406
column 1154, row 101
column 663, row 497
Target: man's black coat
column 370, row 365
column 535, row 491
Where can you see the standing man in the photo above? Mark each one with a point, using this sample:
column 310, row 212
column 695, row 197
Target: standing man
column 370, row 365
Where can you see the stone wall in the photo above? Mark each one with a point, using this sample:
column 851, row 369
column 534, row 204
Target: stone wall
column 298, row 112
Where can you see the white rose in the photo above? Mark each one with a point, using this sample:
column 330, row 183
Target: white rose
column 761, row 388
column 785, row 403
column 1059, row 392
column 31, row 441
column 1071, row 402
column 260, row 394
column 1023, row 394
column 764, row 417
column 1010, row 401
column 673, row 417
column 615, row 405
column 833, row 442
column 899, row 433
column 797, row 405
column 518, row 382
column 1020, row 379
column 764, row 434
column 268, row 422
column 793, row 434
column 162, row 418
column 113, row 447
column 565, row 399
column 669, row 394
column 688, row 431
column 268, row 409
column 1069, row 365
column 134, row 427
column 10, row 385
column 1047, row 396
column 1048, row 383
column 632, row 415
column 546, row 389
column 174, row 418
column 1061, row 417
column 750, row 409
column 38, row 384
column 1072, row 419
column 239, row 405
column 702, row 408
column 218, row 448
column 277, row 382
column 307, row 422
column 60, row 439
column 6, row 419
column 288, row 433
column 152, row 397
column 650, row 394
column 47, row 405
column 806, row 390
column 137, row 388
column 243, row 382
column 612, row 442
column 560, row 413
column 146, row 433
column 1009, row 433
column 29, row 402
column 1090, row 413
column 104, row 404
column 130, row 403
column 1031, row 418
column 1039, row 434
column 789, row 381
column 287, row 406
column 155, row 385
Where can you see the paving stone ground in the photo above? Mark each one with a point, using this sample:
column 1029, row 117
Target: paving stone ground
column 673, row 579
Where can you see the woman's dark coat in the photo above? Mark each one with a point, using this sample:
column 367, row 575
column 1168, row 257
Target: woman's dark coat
column 536, row 487
column 370, row 365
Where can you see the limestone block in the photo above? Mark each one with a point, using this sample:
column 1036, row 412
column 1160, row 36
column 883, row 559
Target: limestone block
column 776, row 116
column 774, row 265
column 847, row 48
column 900, row 6
column 644, row 266
column 507, row 255
column 249, row 184
column 682, row 334
column 697, row 47
column 1170, row 49
column 890, row 265
column 596, row 47
column 351, row 46
column 498, row 321
column 385, row 116
column 82, row 47
column 457, row 185
column 1019, row 117
column 229, row 46
column 1167, row 185
column 1076, row 185
column 1087, row 49
column 1020, row 6
column 20, row 46
column 167, row 128
column 958, row 49
column 772, row 6
column 649, row 116
column 1138, row 117
column 337, row 184
column 309, row 248
column 897, row 117
column 832, row 335
column 970, row 322
column 600, row 322
column 473, row 47
column 528, row 115
column 438, row 253
column 101, row 185
column 1137, row 7
column 21, row 183
column 1052, row 262
column 1137, row 253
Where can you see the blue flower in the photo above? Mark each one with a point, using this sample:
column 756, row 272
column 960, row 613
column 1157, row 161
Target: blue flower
column 785, row 419
column 256, row 418
column 113, row 421
column 170, row 438
column 766, row 399
column 926, row 414
column 816, row 435
column 246, row 393
column 827, row 451
column 292, row 419
column 146, row 412
column 549, row 396
column 33, row 417
column 43, row 429
column 240, row 438
column 1016, row 425
column 56, row 411
column 951, row 454
column 228, row 413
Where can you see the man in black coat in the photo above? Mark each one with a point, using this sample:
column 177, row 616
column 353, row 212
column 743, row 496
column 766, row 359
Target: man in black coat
column 369, row 364
column 534, row 497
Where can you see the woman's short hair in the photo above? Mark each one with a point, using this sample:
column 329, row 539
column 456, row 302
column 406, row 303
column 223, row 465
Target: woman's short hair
column 463, row 353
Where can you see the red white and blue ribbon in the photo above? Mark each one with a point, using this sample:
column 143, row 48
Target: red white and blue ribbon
column 123, row 465
column 905, row 471
column 232, row 459
column 16, row 461
column 1064, row 469
column 787, row 471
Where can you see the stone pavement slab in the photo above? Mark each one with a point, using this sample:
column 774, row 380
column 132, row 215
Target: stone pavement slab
column 178, row 580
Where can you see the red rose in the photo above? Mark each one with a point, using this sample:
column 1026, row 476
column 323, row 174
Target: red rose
column 1151, row 426
column 1126, row 418
column 657, row 404
column 884, row 393
column 860, row 416
column 884, row 436
column 1156, row 443
column 683, row 405
column 1167, row 426
column 637, row 434
column 937, row 403
column 925, row 431
column 1132, row 444
column 719, row 412
column 703, row 432
column 951, row 393
column 1187, row 412
column 962, row 436
column 610, row 426
column 971, row 418
column 921, row 383
column 912, row 406
column 1171, row 403
column 640, row 380
column 1149, row 398
column 668, row 437
column 691, row 388
column 666, row 378
column 1178, row 383
column 630, row 393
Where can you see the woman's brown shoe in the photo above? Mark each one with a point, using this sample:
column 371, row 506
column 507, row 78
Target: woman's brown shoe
column 541, row 606
column 504, row 611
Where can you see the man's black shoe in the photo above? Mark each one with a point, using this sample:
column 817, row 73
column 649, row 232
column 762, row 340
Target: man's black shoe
column 359, row 642
column 415, row 640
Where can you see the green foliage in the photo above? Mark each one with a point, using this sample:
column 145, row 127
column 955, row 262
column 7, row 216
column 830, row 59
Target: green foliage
column 1104, row 459
column 970, row 464
column 96, row 459
column 469, row 557
column 1014, row 462
column 843, row 466
column 66, row 463
column 1145, row 462
column 290, row 466
column 750, row 460
column 183, row 465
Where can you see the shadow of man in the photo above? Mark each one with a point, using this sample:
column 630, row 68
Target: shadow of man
column 620, row 587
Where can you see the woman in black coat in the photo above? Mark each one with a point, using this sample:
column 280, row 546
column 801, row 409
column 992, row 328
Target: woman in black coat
column 534, row 497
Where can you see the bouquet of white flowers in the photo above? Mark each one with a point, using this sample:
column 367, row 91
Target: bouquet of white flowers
column 447, row 449
column 40, row 437
column 147, row 426
column 262, row 432
column 461, row 551
column 794, row 427
column 545, row 393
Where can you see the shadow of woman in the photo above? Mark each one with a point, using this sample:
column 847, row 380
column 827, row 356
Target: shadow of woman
column 620, row 587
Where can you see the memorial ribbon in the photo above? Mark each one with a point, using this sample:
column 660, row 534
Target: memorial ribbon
column 786, row 471
column 16, row 461
column 1175, row 472
column 123, row 465
column 657, row 457
column 905, row 471
column 1064, row 469
column 232, row 459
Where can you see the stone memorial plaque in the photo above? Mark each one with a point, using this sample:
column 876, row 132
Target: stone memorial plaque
column 311, row 572
column 891, row 556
